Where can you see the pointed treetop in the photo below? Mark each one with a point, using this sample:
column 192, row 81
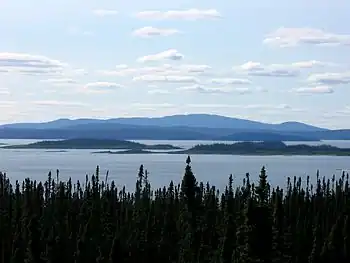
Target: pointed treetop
column 141, row 171
column 188, row 160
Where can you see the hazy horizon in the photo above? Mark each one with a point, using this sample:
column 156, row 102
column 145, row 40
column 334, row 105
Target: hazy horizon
column 151, row 117
column 267, row 61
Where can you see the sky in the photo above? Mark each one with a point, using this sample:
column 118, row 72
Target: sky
column 270, row 60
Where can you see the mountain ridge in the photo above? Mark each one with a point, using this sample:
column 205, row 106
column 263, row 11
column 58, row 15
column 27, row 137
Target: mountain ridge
column 187, row 120
column 174, row 127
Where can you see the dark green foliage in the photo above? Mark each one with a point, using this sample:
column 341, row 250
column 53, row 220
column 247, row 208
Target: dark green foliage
column 84, row 143
column 192, row 222
column 266, row 148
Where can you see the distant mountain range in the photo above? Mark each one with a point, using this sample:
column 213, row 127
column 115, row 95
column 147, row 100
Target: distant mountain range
column 176, row 127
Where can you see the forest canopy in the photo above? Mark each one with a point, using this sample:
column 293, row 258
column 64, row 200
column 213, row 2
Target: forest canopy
column 94, row 221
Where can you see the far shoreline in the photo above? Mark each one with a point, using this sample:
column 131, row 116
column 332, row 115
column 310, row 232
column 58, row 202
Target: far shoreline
column 246, row 148
column 222, row 154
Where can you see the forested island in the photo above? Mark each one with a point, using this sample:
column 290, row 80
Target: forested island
column 136, row 151
column 98, row 221
column 82, row 143
column 238, row 148
column 249, row 148
column 266, row 148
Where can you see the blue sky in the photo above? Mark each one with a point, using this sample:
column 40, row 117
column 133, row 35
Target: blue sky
column 270, row 60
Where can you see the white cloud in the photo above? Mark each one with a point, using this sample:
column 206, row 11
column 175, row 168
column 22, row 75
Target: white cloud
column 10, row 108
column 268, row 106
column 189, row 14
column 261, row 89
column 202, row 89
column 60, row 81
column 4, row 92
column 158, row 91
column 330, row 78
column 29, row 64
column 170, row 54
column 287, row 37
column 8, row 102
column 194, row 68
column 205, row 105
column 103, row 85
column 151, row 106
column 257, row 69
column 99, row 87
column 244, row 106
column 149, row 31
column 311, row 64
column 314, row 90
column 166, row 79
column 242, row 90
column 105, row 12
column 210, row 90
column 211, row 105
column 253, row 68
column 345, row 112
column 58, row 103
column 164, row 70
column 79, row 71
column 230, row 81
column 126, row 71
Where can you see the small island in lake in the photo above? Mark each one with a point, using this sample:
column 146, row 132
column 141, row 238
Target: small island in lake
column 133, row 151
column 266, row 148
column 92, row 144
column 238, row 148
column 250, row 148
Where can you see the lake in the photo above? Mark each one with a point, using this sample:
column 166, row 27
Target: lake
column 19, row 164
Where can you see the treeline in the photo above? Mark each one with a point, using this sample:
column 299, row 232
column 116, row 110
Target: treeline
column 93, row 221
column 267, row 147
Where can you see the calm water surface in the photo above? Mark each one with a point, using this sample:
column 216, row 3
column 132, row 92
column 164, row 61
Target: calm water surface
column 35, row 164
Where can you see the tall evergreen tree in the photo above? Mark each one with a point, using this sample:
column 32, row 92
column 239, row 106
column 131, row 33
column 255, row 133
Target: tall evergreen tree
column 94, row 221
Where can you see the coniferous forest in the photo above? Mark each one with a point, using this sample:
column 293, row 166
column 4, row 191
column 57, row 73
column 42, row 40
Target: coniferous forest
column 94, row 221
